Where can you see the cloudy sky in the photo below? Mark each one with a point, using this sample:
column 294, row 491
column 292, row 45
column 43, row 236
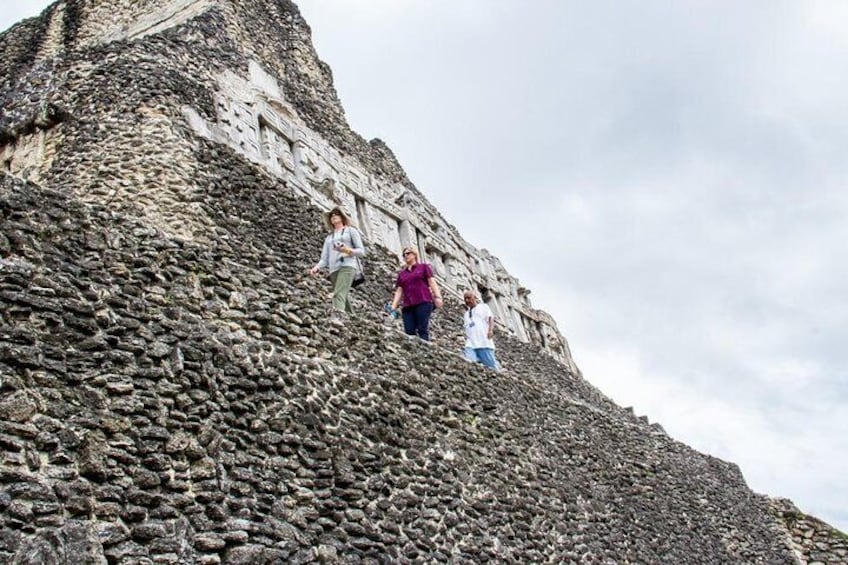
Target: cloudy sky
column 668, row 178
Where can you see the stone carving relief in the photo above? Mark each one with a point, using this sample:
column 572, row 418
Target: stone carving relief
column 235, row 121
column 327, row 188
column 385, row 229
column 277, row 148
column 436, row 263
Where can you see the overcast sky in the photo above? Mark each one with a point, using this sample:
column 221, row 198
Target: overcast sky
column 668, row 178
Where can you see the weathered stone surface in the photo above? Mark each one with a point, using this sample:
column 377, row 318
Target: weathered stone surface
column 812, row 540
column 19, row 407
column 73, row 542
column 172, row 393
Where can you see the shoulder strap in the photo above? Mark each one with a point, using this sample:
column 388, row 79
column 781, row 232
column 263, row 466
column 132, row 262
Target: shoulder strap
column 346, row 231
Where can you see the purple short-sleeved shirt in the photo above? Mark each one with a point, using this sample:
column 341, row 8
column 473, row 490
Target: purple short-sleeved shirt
column 413, row 283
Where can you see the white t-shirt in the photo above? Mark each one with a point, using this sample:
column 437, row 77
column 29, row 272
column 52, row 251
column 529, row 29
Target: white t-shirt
column 477, row 327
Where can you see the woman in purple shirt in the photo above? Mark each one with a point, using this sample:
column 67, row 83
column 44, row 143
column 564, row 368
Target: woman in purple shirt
column 417, row 287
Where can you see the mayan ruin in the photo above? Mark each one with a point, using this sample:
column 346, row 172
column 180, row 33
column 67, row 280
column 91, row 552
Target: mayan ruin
column 171, row 391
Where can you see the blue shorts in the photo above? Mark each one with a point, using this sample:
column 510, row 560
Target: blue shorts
column 484, row 355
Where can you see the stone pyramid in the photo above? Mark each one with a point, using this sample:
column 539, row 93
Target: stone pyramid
column 172, row 390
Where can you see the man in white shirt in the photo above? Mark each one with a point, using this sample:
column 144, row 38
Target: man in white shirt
column 479, row 329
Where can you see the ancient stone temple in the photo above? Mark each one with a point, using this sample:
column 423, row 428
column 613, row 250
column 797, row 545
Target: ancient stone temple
column 172, row 389
column 255, row 115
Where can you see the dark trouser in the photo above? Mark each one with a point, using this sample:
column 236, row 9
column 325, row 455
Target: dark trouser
column 416, row 320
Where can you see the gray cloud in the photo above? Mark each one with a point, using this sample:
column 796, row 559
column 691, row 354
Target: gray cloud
column 668, row 180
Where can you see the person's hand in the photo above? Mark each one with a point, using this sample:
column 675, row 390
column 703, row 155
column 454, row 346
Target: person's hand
column 439, row 302
column 490, row 334
column 314, row 270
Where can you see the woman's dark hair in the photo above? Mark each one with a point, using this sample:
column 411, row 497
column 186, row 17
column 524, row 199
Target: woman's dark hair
column 336, row 212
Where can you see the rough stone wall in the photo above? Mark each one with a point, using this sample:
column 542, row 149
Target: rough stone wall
column 814, row 542
column 170, row 389
column 174, row 402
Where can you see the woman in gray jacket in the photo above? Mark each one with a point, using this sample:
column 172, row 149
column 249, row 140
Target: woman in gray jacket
column 340, row 255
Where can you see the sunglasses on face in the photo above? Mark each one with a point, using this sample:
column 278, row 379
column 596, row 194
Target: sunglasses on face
column 405, row 253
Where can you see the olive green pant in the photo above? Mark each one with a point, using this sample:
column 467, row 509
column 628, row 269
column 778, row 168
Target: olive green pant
column 342, row 279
